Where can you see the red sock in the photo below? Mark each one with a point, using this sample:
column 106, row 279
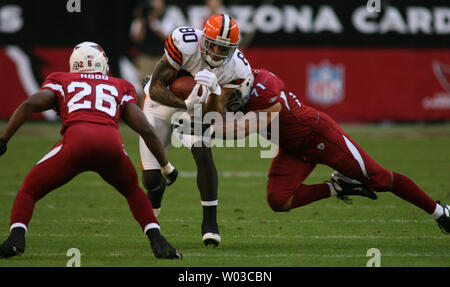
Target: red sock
column 141, row 208
column 306, row 194
column 406, row 189
column 23, row 207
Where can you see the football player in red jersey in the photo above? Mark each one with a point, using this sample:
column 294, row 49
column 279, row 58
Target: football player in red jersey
column 308, row 137
column 90, row 103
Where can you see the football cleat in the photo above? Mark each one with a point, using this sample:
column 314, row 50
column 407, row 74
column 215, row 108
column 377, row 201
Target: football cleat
column 163, row 250
column 345, row 187
column 14, row 244
column 210, row 238
column 210, row 234
column 444, row 220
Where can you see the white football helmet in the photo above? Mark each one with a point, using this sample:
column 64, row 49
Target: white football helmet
column 89, row 57
column 241, row 95
column 246, row 87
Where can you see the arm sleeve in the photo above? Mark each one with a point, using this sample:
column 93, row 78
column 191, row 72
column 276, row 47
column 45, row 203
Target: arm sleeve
column 129, row 96
column 53, row 84
column 261, row 98
column 173, row 53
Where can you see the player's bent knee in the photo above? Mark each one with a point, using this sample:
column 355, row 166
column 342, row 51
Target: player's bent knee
column 278, row 203
column 151, row 178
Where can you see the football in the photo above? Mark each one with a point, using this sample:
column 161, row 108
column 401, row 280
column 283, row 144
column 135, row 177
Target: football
column 183, row 86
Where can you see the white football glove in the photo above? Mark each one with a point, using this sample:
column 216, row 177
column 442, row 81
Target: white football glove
column 209, row 80
column 193, row 98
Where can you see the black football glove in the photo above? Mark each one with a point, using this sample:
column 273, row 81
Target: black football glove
column 3, row 147
column 170, row 173
column 172, row 177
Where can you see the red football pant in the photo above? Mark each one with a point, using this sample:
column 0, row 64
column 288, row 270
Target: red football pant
column 331, row 146
column 84, row 147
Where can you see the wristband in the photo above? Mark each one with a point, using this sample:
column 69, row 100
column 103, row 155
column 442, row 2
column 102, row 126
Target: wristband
column 167, row 169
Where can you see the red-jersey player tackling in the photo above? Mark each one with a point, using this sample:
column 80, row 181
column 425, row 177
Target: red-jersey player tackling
column 90, row 104
column 308, row 137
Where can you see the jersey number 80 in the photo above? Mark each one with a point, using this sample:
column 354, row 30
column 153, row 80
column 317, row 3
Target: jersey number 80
column 188, row 35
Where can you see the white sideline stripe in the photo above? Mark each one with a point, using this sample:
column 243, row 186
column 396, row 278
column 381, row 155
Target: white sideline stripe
column 356, row 155
column 314, row 255
column 252, row 221
column 26, row 77
column 326, row 237
column 235, row 255
column 52, row 153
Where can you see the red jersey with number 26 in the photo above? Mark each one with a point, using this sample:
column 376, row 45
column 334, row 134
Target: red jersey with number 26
column 296, row 120
column 89, row 97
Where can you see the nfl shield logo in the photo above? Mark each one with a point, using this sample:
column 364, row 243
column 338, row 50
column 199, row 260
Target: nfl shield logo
column 325, row 84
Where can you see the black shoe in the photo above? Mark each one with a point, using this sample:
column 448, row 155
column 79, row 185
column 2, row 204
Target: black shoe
column 345, row 187
column 210, row 234
column 162, row 249
column 444, row 220
column 14, row 244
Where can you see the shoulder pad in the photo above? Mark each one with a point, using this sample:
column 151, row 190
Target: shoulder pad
column 182, row 43
column 186, row 39
column 243, row 68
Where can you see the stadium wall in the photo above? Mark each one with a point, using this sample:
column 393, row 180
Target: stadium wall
column 391, row 63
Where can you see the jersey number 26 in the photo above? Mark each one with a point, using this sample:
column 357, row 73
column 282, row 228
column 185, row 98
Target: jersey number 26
column 77, row 102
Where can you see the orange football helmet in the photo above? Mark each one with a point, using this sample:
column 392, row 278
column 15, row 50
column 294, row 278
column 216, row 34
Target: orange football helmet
column 220, row 39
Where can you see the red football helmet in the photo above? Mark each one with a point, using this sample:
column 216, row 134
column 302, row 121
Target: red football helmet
column 220, row 39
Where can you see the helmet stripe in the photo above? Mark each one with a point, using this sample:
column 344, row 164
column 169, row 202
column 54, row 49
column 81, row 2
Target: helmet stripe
column 223, row 25
column 229, row 27
column 226, row 25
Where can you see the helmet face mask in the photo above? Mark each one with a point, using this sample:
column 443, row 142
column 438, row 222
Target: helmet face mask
column 220, row 39
column 241, row 95
column 89, row 57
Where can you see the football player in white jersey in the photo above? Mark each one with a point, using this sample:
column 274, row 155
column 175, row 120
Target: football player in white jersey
column 212, row 57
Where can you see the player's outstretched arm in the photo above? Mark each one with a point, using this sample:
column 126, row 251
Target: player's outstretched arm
column 163, row 75
column 250, row 123
column 40, row 101
column 217, row 103
column 135, row 119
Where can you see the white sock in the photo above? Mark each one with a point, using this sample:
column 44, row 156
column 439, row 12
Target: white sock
column 210, row 203
column 332, row 190
column 150, row 226
column 438, row 211
column 18, row 224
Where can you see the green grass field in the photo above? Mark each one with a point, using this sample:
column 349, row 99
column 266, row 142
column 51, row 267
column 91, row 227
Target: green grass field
column 90, row 215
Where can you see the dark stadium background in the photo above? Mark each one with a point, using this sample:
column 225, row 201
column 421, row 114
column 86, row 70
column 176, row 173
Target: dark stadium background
column 401, row 75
